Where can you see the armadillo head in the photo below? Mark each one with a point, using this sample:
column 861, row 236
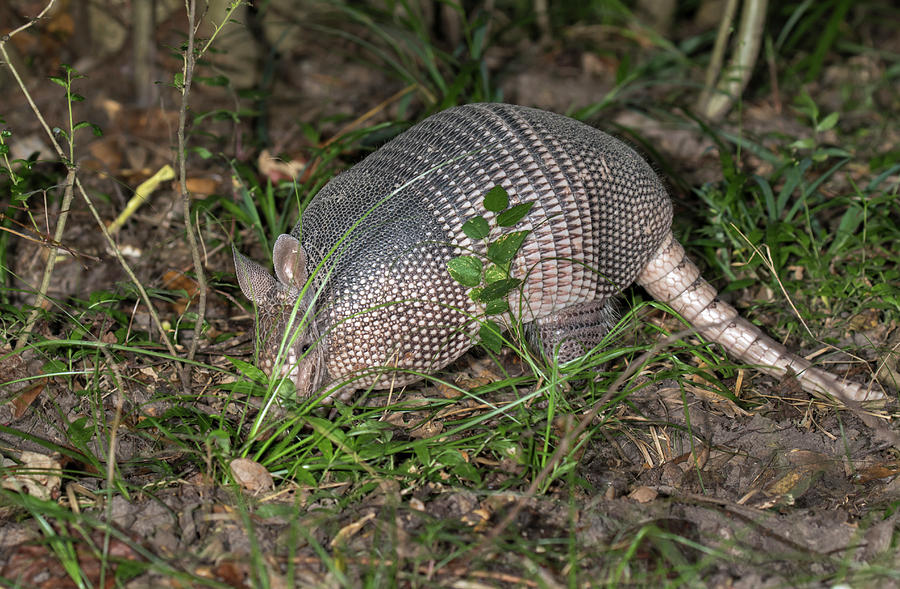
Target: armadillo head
column 287, row 340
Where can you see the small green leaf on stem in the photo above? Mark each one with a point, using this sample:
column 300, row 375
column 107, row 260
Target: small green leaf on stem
column 514, row 215
column 828, row 122
column 499, row 289
column 496, row 199
column 504, row 249
column 493, row 273
column 489, row 334
column 496, row 307
column 466, row 270
column 476, row 228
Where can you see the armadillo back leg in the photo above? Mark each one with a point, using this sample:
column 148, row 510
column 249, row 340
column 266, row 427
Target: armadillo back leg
column 672, row 278
column 571, row 331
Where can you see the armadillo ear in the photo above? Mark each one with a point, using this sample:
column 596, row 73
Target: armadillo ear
column 256, row 283
column 289, row 260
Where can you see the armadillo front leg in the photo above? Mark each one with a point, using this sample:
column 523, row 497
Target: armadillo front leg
column 673, row 278
column 569, row 332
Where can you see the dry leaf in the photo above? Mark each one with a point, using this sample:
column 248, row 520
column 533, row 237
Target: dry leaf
column 38, row 475
column 201, row 187
column 277, row 169
column 349, row 530
column 251, row 475
column 25, row 399
column 643, row 494
column 881, row 470
column 179, row 281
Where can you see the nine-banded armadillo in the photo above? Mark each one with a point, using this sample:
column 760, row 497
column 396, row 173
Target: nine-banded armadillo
column 377, row 238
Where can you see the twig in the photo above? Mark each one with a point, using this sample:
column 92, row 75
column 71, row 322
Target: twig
column 740, row 68
column 717, row 57
column 41, row 296
column 15, row 32
column 190, row 60
column 188, row 76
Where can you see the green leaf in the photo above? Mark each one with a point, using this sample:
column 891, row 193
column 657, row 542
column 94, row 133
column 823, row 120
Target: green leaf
column 493, row 273
column 212, row 80
column 467, row 472
column 53, row 366
column 94, row 128
column 828, row 122
column 489, row 334
column 202, row 152
column 496, row 307
column 496, row 199
column 220, row 440
column 504, row 248
column 79, row 432
column 514, row 215
column 499, row 289
column 60, row 81
column 422, row 453
column 76, row 97
column 807, row 143
column 466, row 270
column 247, row 369
column 807, row 105
column 476, row 228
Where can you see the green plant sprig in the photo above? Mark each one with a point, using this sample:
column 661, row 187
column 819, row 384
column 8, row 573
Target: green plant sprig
column 490, row 283
column 71, row 74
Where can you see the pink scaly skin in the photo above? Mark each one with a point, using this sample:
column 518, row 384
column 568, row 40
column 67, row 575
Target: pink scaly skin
column 674, row 279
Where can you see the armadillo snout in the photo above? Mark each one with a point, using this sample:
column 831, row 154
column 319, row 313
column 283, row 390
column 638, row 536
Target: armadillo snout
column 293, row 354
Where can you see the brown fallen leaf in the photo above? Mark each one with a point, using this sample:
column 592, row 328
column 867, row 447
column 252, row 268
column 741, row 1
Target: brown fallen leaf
column 643, row 494
column 200, row 188
column 25, row 399
column 251, row 475
column 36, row 474
column 278, row 169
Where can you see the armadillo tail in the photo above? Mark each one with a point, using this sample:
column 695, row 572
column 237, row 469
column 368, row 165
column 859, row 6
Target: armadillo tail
column 672, row 278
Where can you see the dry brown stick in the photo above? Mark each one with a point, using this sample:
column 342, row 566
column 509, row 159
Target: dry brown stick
column 188, row 76
column 190, row 60
column 113, row 445
column 41, row 294
column 726, row 23
column 743, row 59
column 14, row 32
column 154, row 316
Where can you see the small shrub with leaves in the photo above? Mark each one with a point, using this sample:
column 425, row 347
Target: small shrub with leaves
column 491, row 280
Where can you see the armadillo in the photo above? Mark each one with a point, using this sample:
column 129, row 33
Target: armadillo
column 362, row 297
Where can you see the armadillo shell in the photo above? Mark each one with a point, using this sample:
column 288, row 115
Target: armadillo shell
column 381, row 233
